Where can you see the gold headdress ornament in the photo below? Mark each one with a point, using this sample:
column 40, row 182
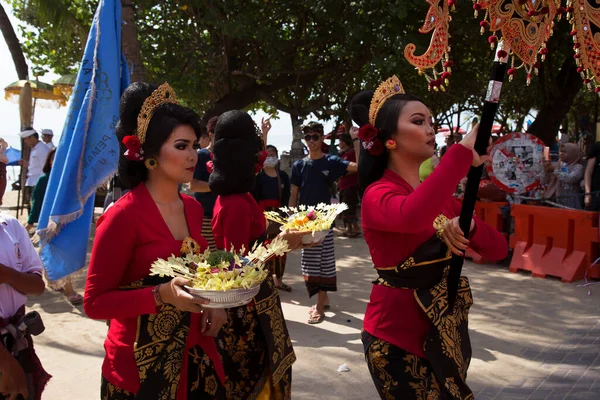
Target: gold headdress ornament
column 388, row 88
column 164, row 94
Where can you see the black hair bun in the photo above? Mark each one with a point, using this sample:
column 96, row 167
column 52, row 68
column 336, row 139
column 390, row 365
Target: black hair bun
column 236, row 124
column 359, row 107
column 236, row 142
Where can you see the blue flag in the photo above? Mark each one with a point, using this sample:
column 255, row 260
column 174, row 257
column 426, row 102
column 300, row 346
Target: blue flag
column 88, row 151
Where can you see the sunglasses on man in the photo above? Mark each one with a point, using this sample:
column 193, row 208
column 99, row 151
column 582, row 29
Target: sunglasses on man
column 314, row 137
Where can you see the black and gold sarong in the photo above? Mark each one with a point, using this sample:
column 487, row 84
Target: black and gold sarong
column 161, row 357
column 256, row 348
column 447, row 346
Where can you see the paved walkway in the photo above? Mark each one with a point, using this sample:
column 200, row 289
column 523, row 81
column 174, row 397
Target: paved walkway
column 532, row 338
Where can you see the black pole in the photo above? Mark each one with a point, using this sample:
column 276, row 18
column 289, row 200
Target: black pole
column 474, row 177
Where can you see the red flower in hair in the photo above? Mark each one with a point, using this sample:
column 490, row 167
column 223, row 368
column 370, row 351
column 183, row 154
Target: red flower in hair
column 209, row 167
column 376, row 148
column 134, row 148
column 257, row 168
column 367, row 133
column 132, row 143
column 262, row 156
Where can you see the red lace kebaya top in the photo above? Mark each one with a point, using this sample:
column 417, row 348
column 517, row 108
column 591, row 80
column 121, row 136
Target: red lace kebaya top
column 396, row 220
column 130, row 236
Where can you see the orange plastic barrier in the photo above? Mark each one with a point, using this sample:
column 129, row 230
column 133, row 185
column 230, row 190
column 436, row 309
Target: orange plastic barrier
column 490, row 213
column 555, row 242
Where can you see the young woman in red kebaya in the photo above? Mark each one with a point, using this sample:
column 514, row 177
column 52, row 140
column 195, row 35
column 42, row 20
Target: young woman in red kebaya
column 160, row 343
column 414, row 346
column 254, row 343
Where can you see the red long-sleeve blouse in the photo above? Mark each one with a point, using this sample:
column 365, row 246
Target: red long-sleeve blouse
column 396, row 220
column 237, row 220
column 130, row 236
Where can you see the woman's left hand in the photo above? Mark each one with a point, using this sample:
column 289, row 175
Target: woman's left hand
column 212, row 321
column 455, row 238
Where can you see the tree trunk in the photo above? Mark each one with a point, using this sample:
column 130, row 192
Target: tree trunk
column 557, row 103
column 13, row 45
column 130, row 42
column 297, row 148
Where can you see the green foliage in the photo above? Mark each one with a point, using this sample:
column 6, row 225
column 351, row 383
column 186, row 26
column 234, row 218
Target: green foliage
column 298, row 57
column 217, row 257
column 54, row 32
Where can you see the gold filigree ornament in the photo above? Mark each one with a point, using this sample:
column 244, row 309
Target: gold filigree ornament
column 164, row 94
column 524, row 26
column 190, row 247
column 388, row 88
column 437, row 20
column 585, row 21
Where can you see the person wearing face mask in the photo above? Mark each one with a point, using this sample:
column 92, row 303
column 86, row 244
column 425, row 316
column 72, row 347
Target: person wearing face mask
column 415, row 346
column 271, row 192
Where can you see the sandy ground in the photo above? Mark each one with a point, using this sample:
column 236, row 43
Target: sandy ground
column 524, row 330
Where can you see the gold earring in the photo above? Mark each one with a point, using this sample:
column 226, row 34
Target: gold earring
column 151, row 163
column 391, row 144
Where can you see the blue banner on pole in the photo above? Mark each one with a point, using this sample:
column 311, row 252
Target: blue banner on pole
column 88, row 151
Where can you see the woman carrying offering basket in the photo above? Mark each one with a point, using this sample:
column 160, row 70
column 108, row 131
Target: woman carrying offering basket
column 255, row 345
column 160, row 342
column 416, row 348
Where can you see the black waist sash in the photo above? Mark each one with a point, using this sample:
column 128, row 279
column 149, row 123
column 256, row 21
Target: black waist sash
column 280, row 352
column 160, row 346
column 447, row 346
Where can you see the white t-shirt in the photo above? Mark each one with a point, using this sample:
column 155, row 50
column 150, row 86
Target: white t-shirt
column 16, row 252
column 50, row 145
column 37, row 159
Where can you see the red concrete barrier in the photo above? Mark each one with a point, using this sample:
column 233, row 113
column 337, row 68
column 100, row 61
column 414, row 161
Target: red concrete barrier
column 554, row 241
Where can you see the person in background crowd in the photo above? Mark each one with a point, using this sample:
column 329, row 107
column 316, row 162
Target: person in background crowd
column 39, row 191
column 35, row 164
column 156, row 326
column 21, row 372
column 428, row 166
column 199, row 185
column 348, row 187
column 37, row 200
column 566, row 176
column 592, row 179
column 272, row 191
column 449, row 143
column 312, row 178
column 3, row 164
column 47, row 136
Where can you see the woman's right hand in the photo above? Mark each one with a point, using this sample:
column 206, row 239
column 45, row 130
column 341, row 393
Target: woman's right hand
column 12, row 377
column 469, row 142
column 173, row 293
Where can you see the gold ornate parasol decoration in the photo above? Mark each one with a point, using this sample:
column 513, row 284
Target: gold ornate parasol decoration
column 64, row 85
column 524, row 25
column 585, row 21
column 42, row 92
column 437, row 20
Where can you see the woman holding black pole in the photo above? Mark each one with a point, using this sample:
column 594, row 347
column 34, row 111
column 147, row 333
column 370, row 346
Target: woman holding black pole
column 415, row 348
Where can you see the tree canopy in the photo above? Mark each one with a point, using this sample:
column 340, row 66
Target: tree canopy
column 300, row 57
